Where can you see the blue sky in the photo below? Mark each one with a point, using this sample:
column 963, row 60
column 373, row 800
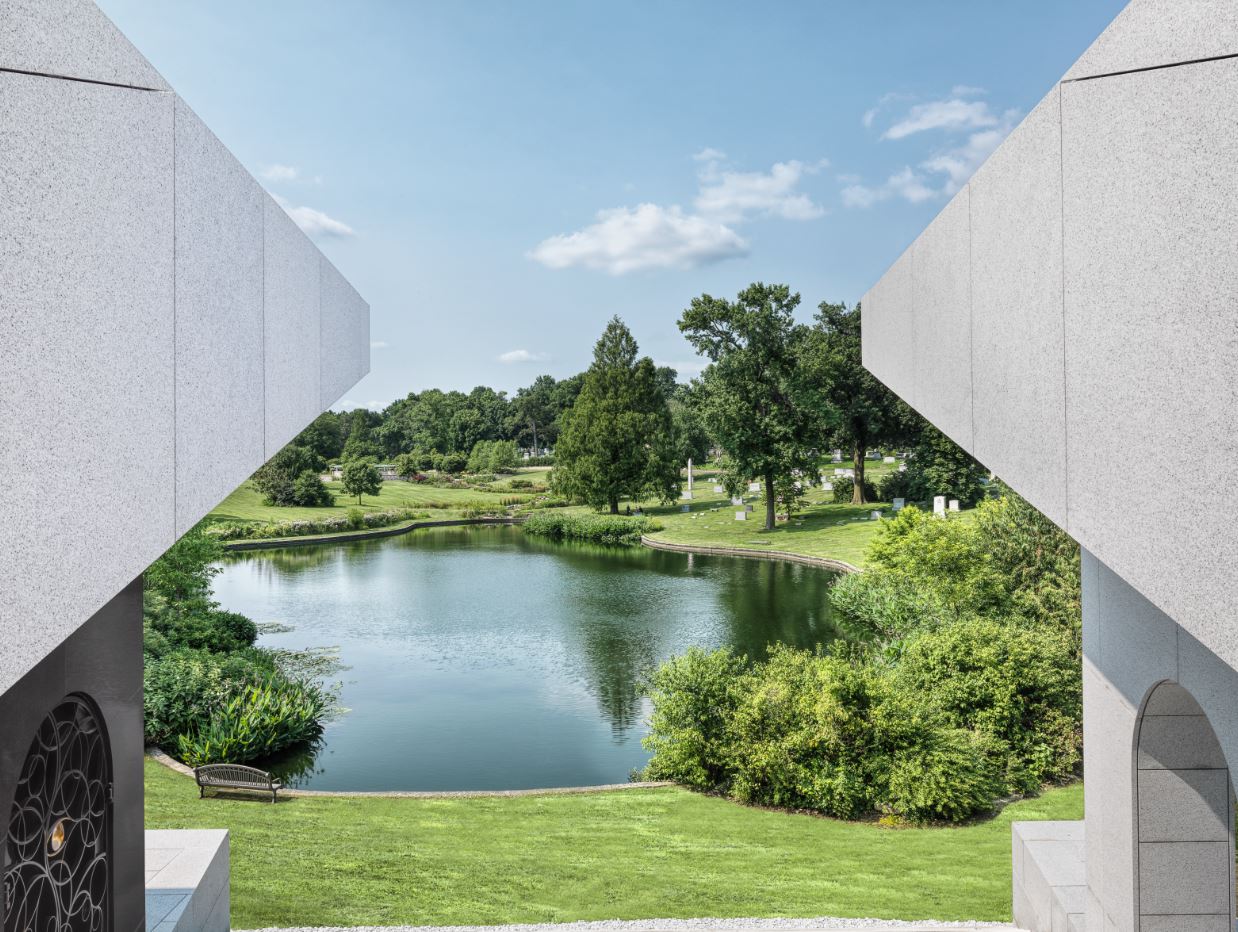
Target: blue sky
column 498, row 179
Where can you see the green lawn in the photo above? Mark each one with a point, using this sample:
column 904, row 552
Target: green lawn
column 822, row 530
column 245, row 503
column 629, row 855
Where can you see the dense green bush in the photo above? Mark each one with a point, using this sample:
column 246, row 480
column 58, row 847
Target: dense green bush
column 291, row 478
column 844, row 489
column 208, row 691
column 894, row 485
column 599, row 529
column 493, row 456
column 961, row 684
column 939, row 466
column 1015, row 684
column 256, row 721
column 824, row 732
column 881, row 607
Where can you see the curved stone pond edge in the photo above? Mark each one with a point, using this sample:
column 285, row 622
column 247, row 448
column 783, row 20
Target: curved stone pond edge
column 158, row 755
column 276, row 543
column 826, row 563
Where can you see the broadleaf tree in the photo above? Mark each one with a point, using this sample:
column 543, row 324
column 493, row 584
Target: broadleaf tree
column 754, row 396
column 868, row 414
column 361, row 477
column 617, row 441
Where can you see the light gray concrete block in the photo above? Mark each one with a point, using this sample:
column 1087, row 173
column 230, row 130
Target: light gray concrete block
column 220, row 416
column 1183, row 805
column 292, row 326
column 1214, row 685
column 1155, row 33
column 345, row 351
column 1151, row 344
column 86, row 265
column 73, row 39
column 1138, row 642
column 1018, row 369
column 1089, row 585
column 1109, row 796
column 888, row 331
column 942, row 321
column 1177, row 878
column 1174, row 742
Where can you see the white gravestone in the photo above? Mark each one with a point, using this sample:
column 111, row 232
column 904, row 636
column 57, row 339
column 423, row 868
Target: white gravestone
column 840, row 472
column 876, row 515
column 741, row 516
column 687, row 493
column 850, row 473
column 827, row 486
column 902, row 467
column 939, row 504
column 954, row 504
column 898, row 504
column 887, row 459
column 718, row 488
column 737, row 500
column 838, row 456
column 754, row 487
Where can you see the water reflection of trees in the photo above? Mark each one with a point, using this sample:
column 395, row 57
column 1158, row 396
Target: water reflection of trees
column 617, row 658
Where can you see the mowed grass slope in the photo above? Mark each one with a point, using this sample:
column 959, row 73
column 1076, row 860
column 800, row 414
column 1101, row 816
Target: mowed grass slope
column 245, row 502
column 823, row 529
column 635, row 854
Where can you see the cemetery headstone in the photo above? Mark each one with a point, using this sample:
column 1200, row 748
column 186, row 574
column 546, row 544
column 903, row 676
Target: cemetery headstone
column 876, row 515
column 939, row 504
column 741, row 516
column 898, row 504
column 887, row 459
column 754, row 487
column 954, row 504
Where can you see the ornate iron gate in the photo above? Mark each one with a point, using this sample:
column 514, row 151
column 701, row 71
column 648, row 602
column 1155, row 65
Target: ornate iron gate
column 57, row 857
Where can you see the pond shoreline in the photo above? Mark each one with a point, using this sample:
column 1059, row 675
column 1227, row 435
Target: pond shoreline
column 162, row 757
column 786, row 556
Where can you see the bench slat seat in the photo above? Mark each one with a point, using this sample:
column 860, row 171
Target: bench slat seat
column 237, row 777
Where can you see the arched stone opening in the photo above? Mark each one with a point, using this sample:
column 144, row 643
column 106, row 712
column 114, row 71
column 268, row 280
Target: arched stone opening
column 1184, row 819
column 58, row 849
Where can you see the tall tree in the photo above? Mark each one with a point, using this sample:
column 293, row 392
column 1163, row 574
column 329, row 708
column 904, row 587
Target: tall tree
column 617, row 439
column 868, row 414
column 754, row 397
column 533, row 410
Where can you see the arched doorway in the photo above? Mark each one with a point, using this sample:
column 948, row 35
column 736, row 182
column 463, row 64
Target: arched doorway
column 1184, row 827
column 57, row 855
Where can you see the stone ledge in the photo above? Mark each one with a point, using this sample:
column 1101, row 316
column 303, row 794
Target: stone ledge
column 187, row 881
column 1049, row 879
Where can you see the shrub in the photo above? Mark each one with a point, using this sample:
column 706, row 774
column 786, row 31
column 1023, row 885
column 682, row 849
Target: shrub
column 255, row 722
column 309, row 491
column 521, row 484
column 881, row 607
column 939, row 466
column 255, row 530
column 181, row 688
column 356, row 518
column 844, row 489
column 694, row 698
column 1015, row 684
column 278, row 479
column 894, row 485
column 619, row 530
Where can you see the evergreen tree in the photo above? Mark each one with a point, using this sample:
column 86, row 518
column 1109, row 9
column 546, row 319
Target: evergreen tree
column 617, row 440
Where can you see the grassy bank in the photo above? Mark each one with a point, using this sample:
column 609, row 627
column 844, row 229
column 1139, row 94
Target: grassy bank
column 629, row 855
column 823, row 529
column 245, row 503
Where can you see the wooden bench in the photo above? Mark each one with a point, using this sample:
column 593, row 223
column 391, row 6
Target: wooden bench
column 235, row 777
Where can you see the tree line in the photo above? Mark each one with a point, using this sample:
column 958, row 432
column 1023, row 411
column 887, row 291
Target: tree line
column 775, row 396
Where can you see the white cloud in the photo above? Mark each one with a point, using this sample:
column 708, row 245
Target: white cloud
column 379, row 344
column 314, row 222
column 279, row 172
column 952, row 114
column 729, row 196
column 625, row 239
column 521, row 355
column 347, row 404
column 966, row 90
column 906, row 183
column 960, row 163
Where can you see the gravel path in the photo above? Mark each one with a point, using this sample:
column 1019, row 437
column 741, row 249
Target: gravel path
column 823, row 924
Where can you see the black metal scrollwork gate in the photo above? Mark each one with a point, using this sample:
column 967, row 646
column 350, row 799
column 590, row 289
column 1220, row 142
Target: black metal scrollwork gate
column 57, row 864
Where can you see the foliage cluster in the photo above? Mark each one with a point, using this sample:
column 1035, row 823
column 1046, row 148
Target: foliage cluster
column 599, row 529
column 208, row 691
column 844, row 490
column 493, row 456
column 959, row 683
column 291, row 477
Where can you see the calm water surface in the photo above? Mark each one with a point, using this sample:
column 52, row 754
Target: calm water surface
column 479, row 658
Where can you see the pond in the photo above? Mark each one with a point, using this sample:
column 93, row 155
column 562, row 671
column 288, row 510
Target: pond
column 482, row 658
